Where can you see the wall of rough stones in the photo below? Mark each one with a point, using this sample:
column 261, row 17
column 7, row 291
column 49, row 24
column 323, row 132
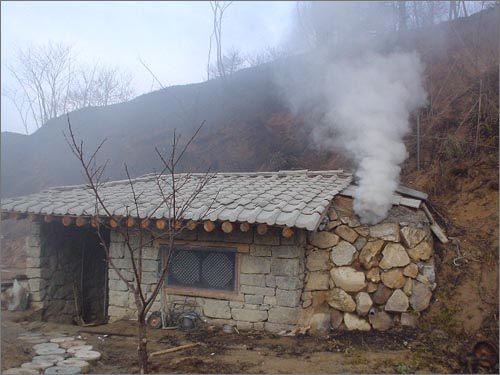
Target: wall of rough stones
column 53, row 266
column 270, row 280
column 363, row 277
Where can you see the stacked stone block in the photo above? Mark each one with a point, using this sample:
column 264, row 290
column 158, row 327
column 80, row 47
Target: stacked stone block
column 121, row 298
column 364, row 277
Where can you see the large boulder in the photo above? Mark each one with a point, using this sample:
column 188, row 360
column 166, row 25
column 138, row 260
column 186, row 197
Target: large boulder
column 348, row 279
column 343, row 254
column 340, row 300
column 386, row 231
column 393, row 278
column 412, row 236
column 420, row 296
column 397, row 302
column 422, row 251
column 346, row 233
column 382, row 294
column 324, row 240
column 394, row 255
column 354, row 322
column 369, row 252
column 379, row 319
column 363, row 303
column 411, row 270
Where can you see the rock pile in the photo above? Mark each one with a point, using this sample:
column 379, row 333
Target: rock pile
column 367, row 276
column 58, row 355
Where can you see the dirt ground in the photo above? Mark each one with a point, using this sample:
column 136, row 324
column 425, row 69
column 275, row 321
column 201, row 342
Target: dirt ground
column 398, row 351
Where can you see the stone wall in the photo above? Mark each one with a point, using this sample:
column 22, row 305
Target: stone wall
column 364, row 277
column 54, row 265
column 270, row 281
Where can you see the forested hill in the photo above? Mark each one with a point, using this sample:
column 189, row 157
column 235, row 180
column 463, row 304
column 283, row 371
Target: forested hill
column 247, row 125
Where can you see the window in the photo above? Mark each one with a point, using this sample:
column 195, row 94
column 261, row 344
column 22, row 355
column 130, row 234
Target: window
column 202, row 267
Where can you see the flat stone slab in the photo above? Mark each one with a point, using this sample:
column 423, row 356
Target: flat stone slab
column 75, row 349
column 69, row 344
column 20, row 371
column 67, row 370
column 59, row 340
column 45, row 346
column 84, row 365
column 88, row 355
column 50, row 351
column 48, row 358
column 37, row 365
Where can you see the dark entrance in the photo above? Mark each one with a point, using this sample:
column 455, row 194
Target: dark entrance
column 75, row 272
column 92, row 288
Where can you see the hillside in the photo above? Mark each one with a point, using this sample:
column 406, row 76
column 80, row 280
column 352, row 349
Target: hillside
column 249, row 128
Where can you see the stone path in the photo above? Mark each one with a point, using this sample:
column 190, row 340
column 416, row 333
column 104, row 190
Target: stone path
column 56, row 355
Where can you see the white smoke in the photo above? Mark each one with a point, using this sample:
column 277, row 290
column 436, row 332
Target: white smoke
column 369, row 101
column 360, row 99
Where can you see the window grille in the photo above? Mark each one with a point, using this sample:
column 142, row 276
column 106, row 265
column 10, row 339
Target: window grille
column 200, row 267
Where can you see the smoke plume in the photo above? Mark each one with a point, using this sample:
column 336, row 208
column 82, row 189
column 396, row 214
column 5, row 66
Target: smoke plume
column 359, row 101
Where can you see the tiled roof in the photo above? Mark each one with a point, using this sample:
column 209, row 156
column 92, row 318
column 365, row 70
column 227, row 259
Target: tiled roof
column 291, row 198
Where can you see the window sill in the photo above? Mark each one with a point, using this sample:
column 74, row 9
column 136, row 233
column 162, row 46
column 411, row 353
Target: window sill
column 203, row 293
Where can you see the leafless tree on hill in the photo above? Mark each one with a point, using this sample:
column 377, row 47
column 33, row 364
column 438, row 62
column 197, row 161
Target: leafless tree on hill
column 134, row 228
column 218, row 10
column 49, row 82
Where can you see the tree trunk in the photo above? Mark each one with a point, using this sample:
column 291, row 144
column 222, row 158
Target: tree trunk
column 142, row 349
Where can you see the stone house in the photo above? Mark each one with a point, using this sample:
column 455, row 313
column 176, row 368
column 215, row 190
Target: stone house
column 274, row 251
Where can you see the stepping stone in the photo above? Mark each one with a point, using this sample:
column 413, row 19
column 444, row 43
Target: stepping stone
column 48, row 358
column 59, row 340
column 50, row 351
column 29, row 336
column 35, row 340
column 38, row 365
column 70, row 344
column 47, row 345
column 84, row 365
column 75, row 349
column 88, row 355
column 67, row 370
column 20, row 371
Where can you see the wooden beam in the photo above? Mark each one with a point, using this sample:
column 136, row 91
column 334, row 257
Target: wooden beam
column 244, row 227
column 209, row 226
column 16, row 216
column 191, row 224
column 114, row 223
column 227, row 227
column 178, row 224
column 287, row 232
column 81, row 221
column 67, row 220
column 145, row 223
column 161, row 224
column 48, row 218
column 262, row 229
column 130, row 221
column 94, row 221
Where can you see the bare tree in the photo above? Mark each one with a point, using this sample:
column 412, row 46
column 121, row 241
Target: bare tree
column 49, row 83
column 43, row 75
column 171, row 199
column 268, row 55
column 218, row 9
column 232, row 61
column 97, row 85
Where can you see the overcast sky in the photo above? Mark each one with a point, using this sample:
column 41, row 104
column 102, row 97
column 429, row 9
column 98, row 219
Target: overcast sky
column 171, row 37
